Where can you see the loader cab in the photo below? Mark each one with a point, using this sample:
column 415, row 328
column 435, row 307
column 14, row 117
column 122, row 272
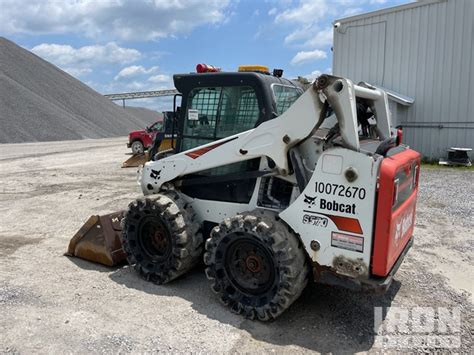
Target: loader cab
column 219, row 105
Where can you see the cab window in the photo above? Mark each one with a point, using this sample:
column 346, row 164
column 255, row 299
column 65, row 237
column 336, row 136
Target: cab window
column 218, row 112
column 157, row 126
column 285, row 96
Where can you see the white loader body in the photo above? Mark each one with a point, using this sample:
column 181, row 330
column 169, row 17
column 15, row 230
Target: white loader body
column 334, row 214
column 324, row 197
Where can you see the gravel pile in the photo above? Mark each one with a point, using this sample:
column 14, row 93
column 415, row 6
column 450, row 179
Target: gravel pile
column 40, row 102
column 145, row 115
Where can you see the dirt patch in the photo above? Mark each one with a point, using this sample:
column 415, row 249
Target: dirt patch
column 9, row 244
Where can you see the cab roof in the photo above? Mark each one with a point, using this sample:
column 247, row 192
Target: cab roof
column 185, row 82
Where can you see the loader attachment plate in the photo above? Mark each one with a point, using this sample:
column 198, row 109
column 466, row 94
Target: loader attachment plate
column 135, row 160
column 99, row 240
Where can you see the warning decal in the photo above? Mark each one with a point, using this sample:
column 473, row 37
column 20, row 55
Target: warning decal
column 347, row 241
column 193, row 115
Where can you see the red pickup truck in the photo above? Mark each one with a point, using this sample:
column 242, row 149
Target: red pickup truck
column 143, row 139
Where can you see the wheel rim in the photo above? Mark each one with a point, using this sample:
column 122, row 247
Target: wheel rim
column 136, row 147
column 249, row 264
column 154, row 239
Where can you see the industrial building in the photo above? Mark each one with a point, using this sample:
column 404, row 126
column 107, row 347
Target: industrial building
column 424, row 51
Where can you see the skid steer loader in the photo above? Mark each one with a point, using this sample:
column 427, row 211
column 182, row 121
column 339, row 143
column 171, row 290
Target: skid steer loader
column 281, row 185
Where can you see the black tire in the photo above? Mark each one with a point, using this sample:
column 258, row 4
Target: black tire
column 161, row 238
column 137, row 147
column 252, row 241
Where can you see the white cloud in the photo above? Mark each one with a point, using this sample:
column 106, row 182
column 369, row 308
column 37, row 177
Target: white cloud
column 314, row 74
column 321, row 38
column 135, row 70
column 135, row 78
column 120, row 19
column 136, row 84
column 160, row 78
column 139, row 78
column 80, row 61
column 307, row 12
column 272, row 11
column 311, row 36
column 352, row 11
column 308, row 56
column 96, row 54
column 308, row 23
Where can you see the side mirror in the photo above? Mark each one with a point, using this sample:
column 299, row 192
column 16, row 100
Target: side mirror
column 147, row 129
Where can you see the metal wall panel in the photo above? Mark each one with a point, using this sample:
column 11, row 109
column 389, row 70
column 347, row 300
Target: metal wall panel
column 423, row 50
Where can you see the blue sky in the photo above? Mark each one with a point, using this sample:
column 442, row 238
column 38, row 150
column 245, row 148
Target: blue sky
column 125, row 45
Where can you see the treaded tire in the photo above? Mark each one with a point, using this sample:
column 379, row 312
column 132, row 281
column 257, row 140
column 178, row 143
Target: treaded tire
column 185, row 243
column 291, row 268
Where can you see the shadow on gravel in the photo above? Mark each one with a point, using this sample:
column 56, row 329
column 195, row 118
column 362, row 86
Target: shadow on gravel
column 323, row 319
column 87, row 265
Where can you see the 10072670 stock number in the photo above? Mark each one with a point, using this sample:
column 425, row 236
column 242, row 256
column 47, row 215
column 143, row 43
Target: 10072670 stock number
column 341, row 190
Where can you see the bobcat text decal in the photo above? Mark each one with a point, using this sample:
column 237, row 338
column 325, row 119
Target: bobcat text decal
column 337, row 206
column 403, row 225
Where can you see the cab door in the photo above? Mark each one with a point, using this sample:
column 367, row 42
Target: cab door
column 214, row 113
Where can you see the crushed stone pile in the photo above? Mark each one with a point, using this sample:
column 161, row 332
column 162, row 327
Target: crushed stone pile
column 40, row 102
column 145, row 114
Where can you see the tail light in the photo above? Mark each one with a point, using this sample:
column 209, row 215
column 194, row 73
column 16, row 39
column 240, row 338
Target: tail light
column 399, row 136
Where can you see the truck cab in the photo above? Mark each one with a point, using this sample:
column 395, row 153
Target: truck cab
column 142, row 139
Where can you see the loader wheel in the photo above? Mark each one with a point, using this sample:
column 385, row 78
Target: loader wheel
column 256, row 265
column 160, row 237
column 137, row 147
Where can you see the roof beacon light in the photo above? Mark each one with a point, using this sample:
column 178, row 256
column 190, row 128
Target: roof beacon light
column 255, row 68
column 206, row 68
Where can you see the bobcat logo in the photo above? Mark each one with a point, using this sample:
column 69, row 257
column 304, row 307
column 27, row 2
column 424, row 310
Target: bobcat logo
column 155, row 174
column 310, row 200
column 398, row 231
column 403, row 225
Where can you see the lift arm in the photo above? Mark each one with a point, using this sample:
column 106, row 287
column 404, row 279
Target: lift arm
column 271, row 139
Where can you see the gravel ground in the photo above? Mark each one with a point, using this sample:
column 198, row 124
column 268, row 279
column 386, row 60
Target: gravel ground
column 53, row 304
column 40, row 102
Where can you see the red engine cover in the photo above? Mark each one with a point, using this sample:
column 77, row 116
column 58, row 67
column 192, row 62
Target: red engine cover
column 396, row 205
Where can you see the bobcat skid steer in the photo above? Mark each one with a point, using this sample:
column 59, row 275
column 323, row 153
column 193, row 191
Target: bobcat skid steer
column 301, row 192
column 280, row 183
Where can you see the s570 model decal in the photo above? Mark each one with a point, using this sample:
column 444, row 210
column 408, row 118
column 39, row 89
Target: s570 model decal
column 342, row 223
column 340, row 190
column 315, row 220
